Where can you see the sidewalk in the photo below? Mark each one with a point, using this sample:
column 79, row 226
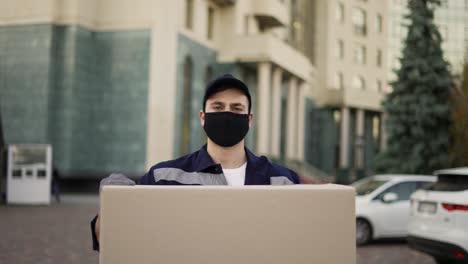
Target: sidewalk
column 59, row 233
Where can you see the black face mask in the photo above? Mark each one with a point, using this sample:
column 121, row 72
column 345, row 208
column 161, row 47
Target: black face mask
column 226, row 128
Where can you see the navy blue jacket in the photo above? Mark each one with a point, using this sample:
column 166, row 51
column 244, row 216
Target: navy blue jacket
column 198, row 168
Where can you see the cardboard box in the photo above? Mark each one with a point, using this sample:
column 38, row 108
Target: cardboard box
column 295, row 224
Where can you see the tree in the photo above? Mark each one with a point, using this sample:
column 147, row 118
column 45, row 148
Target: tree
column 418, row 107
column 459, row 128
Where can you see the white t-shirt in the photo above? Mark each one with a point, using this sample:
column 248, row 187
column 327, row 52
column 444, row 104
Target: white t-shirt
column 235, row 177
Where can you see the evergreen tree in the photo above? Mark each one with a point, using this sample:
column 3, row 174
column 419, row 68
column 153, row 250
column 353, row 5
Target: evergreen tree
column 417, row 109
column 459, row 128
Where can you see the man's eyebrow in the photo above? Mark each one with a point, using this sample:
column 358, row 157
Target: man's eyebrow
column 237, row 104
column 217, row 102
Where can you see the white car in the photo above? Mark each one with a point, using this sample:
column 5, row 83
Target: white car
column 383, row 205
column 439, row 217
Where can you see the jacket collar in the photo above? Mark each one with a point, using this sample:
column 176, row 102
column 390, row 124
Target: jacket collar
column 256, row 171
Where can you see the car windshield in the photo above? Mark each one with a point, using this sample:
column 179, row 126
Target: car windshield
column 367, row 186
column 449, row 183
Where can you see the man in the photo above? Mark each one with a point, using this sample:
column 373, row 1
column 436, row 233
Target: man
column 226, row 118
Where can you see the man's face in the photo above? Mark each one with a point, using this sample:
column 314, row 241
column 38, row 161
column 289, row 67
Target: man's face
column 229, row 100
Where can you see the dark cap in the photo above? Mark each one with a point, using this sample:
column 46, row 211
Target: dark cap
column 225, row 81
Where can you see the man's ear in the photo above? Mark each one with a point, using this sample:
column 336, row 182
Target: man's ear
column 202, row 118
column 251, row 116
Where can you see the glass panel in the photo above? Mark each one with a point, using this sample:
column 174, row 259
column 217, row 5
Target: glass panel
column 359, row 83
column 359, row 21
column 189, row 14
column 379, row 23
column 403, row 190
column 360, row 54
column 339, row 15
column 29, row 155
column 16, row 173
column 449, row 183
column 367, row 186
column 210, row 23
column 41, row 173
column 187, row 107
column 338, row 81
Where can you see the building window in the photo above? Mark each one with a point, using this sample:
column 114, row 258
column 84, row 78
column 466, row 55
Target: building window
column 338, row 82
column 359, row 22
column 359, row 83
column 189, row 14
column 339, row 49
column 246, row 24
column 379, row 86
column 376, row 129
column 186, row 107
column 360, row 54
column 379, row 23
column 337, row 116
column 443, row 32
column 340, row 12
column 379, row 58
column 210, row 24
column 396, row 63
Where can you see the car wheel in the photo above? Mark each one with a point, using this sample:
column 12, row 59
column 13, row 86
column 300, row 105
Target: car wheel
column 442, row 260
column 363, row 232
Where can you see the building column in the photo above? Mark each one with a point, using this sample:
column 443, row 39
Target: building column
column 301, row 120
column 359, row 143
column 291, row 136
column 276, row 112
column 162, row 86
column 383, row 132
column 344, row 138
column 263, row 129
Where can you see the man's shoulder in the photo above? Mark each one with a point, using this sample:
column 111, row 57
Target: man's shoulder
column 170, row 168
column 185, row 162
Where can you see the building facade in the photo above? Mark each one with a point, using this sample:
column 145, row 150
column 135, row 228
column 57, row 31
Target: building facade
column 451, row 17
column 348, row 49
column 117, row 85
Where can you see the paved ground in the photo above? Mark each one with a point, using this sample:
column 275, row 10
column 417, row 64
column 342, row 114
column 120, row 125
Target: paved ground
column 60, row 233
column 389, row 252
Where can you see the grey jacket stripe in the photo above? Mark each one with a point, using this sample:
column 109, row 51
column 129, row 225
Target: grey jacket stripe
column 183, row 177
column 280, row 180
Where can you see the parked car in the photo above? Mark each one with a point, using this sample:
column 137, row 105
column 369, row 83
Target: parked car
column 383, row 205
column 439, row 217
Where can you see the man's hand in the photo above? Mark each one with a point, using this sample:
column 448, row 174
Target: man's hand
column 113, row 179
column 116, row 179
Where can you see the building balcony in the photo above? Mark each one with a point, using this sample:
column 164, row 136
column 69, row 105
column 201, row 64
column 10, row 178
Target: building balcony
column 266, row 48
column 225, row 2
column 270, row 13
column 363, row 99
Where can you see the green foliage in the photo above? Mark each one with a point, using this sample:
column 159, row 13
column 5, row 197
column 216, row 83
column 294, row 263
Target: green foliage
column 417, row 123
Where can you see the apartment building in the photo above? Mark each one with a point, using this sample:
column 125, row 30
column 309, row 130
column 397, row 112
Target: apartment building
column 451, row 17
column 116, row 85
column 348, row 49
